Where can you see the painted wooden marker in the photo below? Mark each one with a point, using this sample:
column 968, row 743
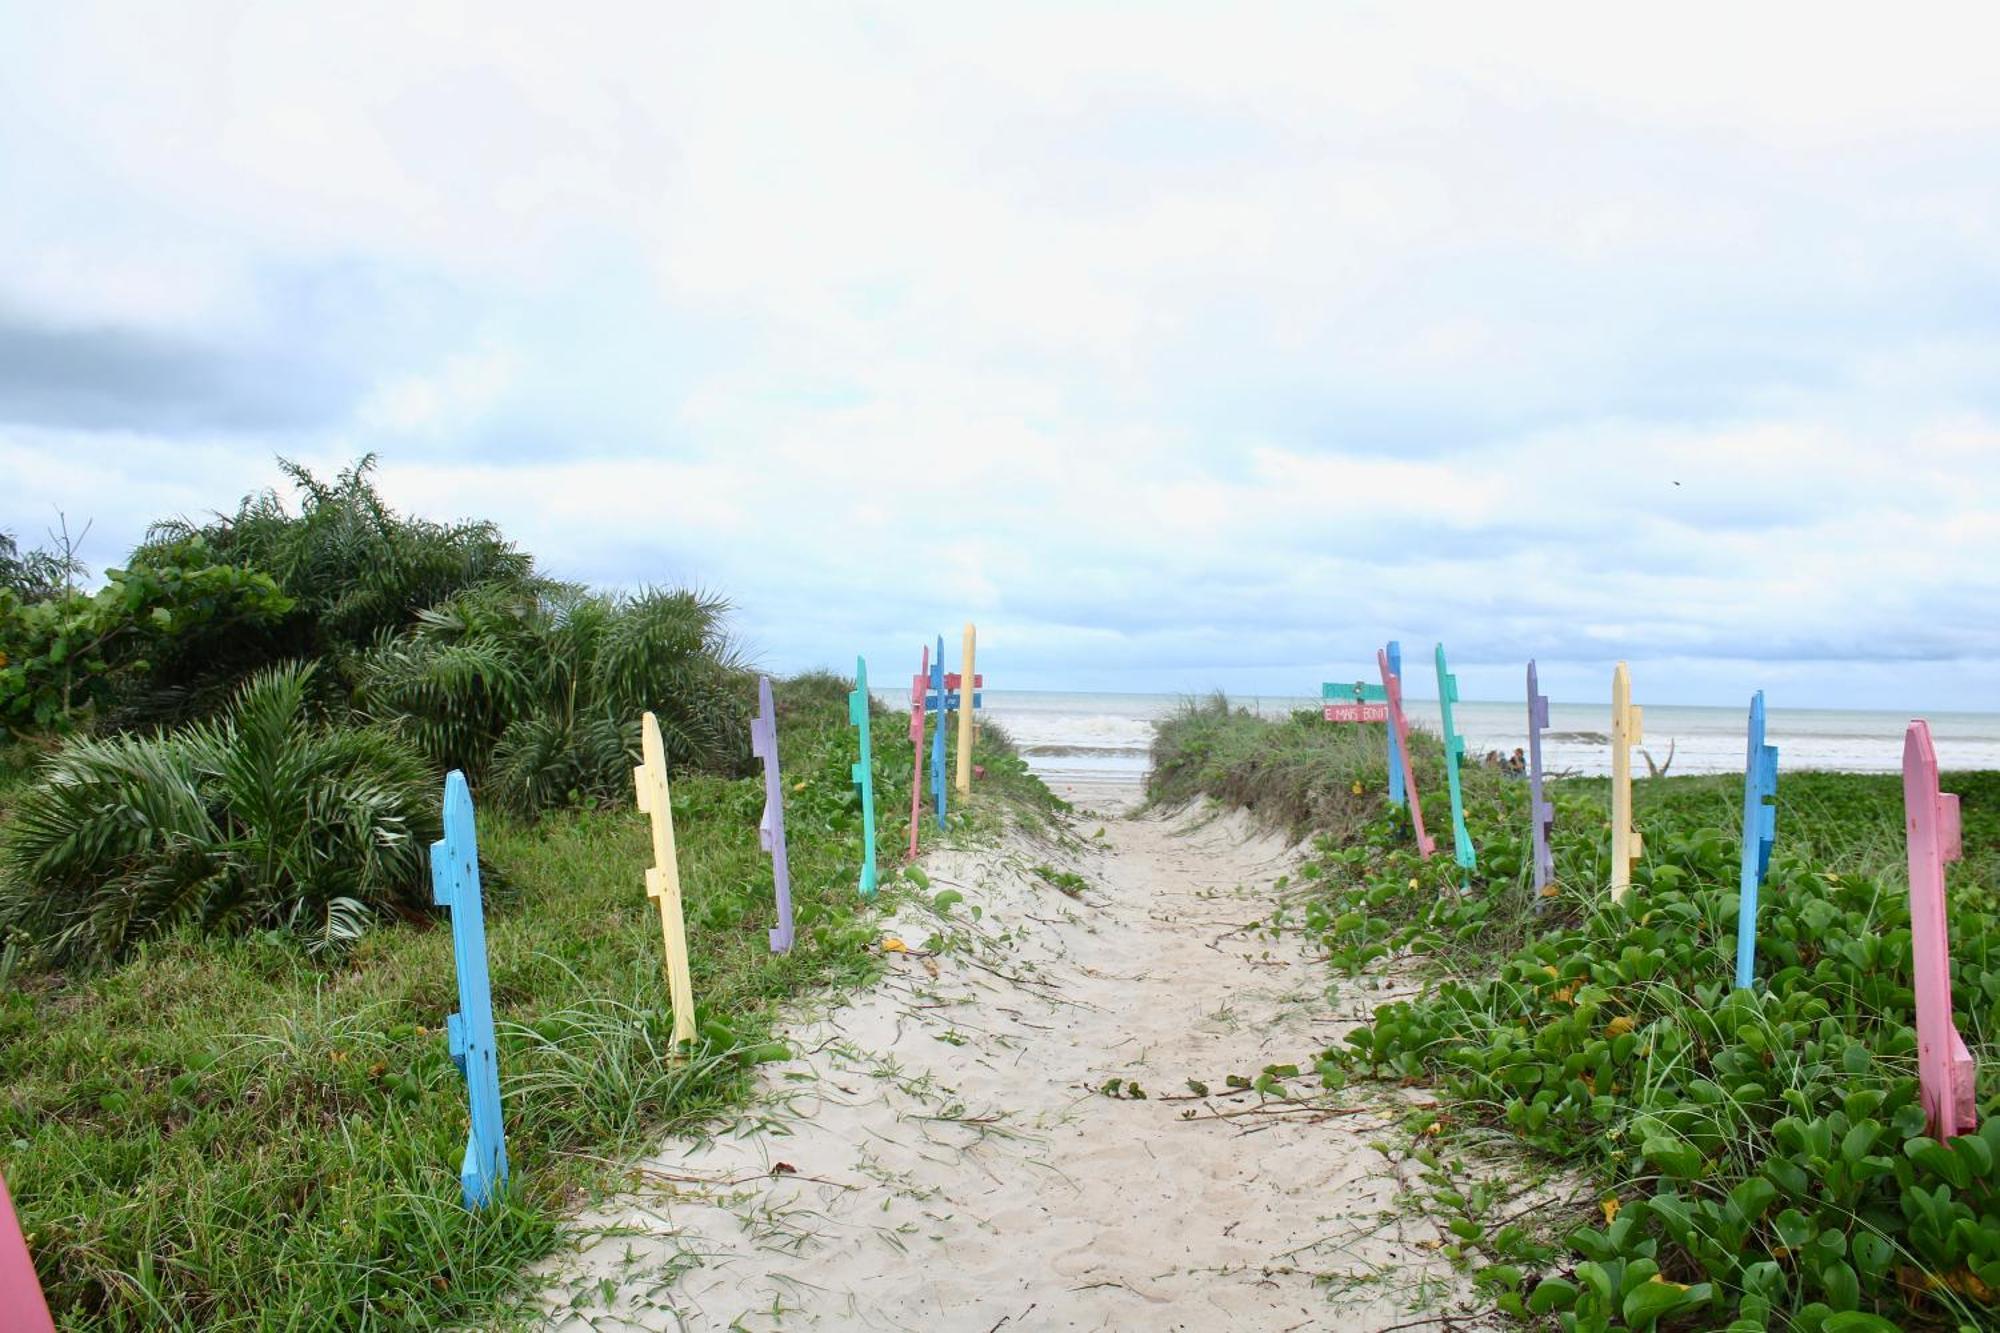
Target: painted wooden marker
column 1359, row 702
column 1760, row 831
column 864, row 773
column 969, row 674
column 939, row 703
column 1627, row 730
column 1944, row 1066
column 1392, row 686
column 469, row 1032
column 21, row 1300
column 919, row 684
column 1541, row 812
column 1454, row 755
column 1395, row 748
column 771, row 828
column 663, row 877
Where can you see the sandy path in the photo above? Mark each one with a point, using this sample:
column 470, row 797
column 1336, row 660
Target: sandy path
column 941, row 1158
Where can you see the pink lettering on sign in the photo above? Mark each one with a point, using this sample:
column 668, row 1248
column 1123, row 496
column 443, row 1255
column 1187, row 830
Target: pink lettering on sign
column 1392, row 685
column 1355, row 712
column 1944, row 1066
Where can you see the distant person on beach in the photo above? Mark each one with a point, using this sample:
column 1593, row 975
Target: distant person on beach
column 1518, row 765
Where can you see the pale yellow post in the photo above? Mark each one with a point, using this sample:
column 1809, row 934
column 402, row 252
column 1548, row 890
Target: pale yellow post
column 663, row 877
column 965, row 693
column 1627, row 730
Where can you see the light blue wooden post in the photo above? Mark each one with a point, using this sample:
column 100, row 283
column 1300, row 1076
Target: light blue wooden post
column 771, row 828
column 1760, row 832
column 864, row 773
column 1454, row 755
column 940, row 788
column 1395, row 760
column 1541, row 811
column 469, row 1032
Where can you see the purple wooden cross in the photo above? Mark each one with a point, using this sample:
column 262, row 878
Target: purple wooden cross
column 1541, row 813
column 1944, row 1066
column 919, row 684
column 1393, row 687
column 771, row 829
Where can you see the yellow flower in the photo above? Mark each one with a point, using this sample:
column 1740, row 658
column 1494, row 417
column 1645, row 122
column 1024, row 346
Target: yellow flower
column 1610, row 1207
column 1618, row 1026
column 1357, row 789
column 890, row 944
column 1549, row 890
column 1413, row 881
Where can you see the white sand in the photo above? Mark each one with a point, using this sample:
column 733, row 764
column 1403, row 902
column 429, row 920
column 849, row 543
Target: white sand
column 943, row 1159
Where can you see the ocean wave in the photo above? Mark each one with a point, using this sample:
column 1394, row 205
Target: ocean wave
column 1578, row 737
column 1058, row 751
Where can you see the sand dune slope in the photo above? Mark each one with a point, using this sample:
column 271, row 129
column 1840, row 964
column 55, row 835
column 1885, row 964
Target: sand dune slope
column 942, row 1156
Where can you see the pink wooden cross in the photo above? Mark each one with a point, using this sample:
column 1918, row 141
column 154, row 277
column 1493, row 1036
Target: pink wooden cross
column 22, row 1308
column 919, row 683
column 1392, row 685
column 1944, row 1066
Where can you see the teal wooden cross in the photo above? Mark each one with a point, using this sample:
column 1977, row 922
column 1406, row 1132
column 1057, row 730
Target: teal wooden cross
column 864, row 773
column 469, row 1032
column 1454, row 756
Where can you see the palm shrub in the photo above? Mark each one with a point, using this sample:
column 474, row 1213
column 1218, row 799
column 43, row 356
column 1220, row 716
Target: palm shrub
column 266, row 817
column 539, row 693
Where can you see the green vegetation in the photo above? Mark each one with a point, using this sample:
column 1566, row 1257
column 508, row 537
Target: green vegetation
column 1750, row 1160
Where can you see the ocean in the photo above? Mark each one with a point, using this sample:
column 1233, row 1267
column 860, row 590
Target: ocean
column 1092, row 748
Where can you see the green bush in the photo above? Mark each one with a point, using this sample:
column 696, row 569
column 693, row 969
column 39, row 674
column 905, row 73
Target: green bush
column 264, row 818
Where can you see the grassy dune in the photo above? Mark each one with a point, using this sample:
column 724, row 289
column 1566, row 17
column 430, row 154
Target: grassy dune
column 1748, row 1160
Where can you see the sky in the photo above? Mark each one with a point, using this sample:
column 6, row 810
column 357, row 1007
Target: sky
column 1177, row 346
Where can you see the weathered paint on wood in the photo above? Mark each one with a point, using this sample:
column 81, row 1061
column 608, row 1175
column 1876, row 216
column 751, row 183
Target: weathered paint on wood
column 21, row 1300
column 1541, row 812
column 1395, row 744
column 864, row 772
column 1944, row 1065
column 469, row 1032
column 1357, row 702
column 771, row 828
column 940, row 788
column 970, row 677
column 919, row 686
column 1760, row 831
column 1454, row 755
column 663, row 877
column 1392, row 685
column 1355, row 712
column 1627, row 730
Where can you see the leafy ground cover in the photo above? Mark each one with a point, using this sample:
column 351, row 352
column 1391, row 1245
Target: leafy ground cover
column 1753, row 1159
column 232, row 1132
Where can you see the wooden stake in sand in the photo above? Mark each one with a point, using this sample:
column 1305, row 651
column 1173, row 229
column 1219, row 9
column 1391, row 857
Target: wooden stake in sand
column 663, row 877
column 864, row 773
column 1396, row 796
column 1392, row 686
column 1454, row 756
column 1627, row 730
column 969, row 682
column 771, row 828
column 21, row 1299
column 469, row 1032
column 1944, row 1066
column 1760, row 831
column 1541, row 813
column 919, row 687
column 939, row 703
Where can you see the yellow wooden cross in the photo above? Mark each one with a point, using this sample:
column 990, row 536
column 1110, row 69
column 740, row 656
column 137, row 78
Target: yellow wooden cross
column 663, row 877
column 1627, row 730
column 969, row 673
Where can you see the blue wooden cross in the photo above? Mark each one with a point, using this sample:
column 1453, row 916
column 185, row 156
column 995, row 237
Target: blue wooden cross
column 945, row 696
column 1454, row 755
column 469, row 1032
column 1760, row 831
column 1541, row 811
column 864, row 773
column 1396, row 796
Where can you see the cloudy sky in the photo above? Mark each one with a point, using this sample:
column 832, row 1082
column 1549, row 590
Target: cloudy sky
column 1177, row 346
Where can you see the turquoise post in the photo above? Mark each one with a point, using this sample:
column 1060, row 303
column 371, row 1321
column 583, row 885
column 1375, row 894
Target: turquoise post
column 1395, row 760
column 469, row 1032
column 1454, row 755
column 1760, row 832
column 864, row 773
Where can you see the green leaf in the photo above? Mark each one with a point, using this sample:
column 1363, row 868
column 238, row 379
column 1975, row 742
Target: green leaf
column 1858, row 1321
column 1552, row 1294
column 1648, row 1302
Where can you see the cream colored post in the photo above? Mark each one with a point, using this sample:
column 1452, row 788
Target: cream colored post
column 1627, row 730
column 968, row 673
column 663, row 877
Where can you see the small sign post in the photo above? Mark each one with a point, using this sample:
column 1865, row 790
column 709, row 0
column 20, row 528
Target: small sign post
column 1392, row 686
column 663, row 877
column 469, row 1031
column 1760, row 831
column 1359, row 702
column 1454, row 755
column 1541, row 812
column 864, row 773
column 771, row 828
column 1627, row 730
column 1944, row 1065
